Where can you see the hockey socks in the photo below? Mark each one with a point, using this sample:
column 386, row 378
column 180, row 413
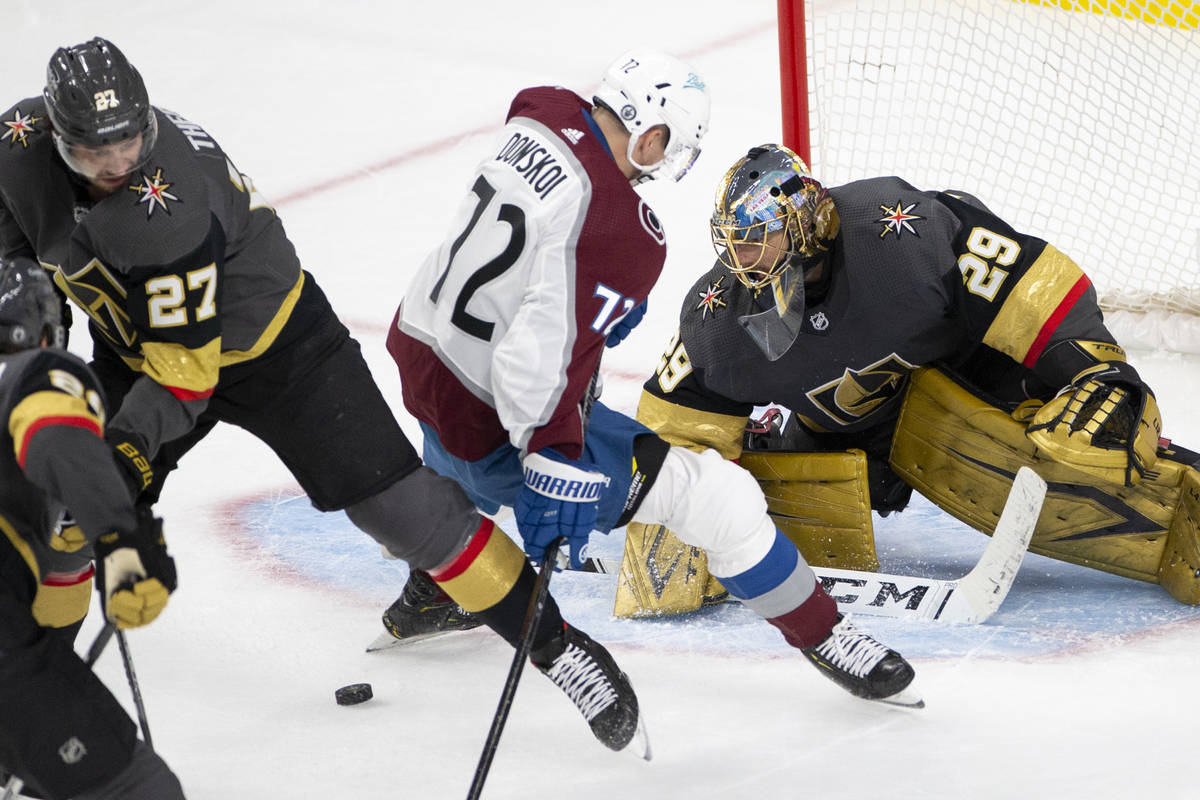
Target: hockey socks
column 782, row 589
column 494, row 580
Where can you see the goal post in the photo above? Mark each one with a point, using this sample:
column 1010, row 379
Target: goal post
column 1075, row 120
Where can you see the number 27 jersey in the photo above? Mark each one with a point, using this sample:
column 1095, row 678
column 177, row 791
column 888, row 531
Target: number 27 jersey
column 502, row 328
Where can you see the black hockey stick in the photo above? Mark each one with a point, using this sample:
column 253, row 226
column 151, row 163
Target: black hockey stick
column 134, row 688
column 537, row 603
column 100, row 642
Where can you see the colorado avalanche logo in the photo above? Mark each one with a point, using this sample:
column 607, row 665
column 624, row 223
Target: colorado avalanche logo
column 154, row 194
column 650, row 222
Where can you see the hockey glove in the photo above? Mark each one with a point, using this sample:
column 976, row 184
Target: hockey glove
column 1105, row 423
column 129, row 451
column 559, row 499
column 627, row 323
column 134, row 574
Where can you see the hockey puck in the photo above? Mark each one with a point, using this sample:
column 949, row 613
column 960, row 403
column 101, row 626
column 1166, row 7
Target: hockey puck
column 353, row 694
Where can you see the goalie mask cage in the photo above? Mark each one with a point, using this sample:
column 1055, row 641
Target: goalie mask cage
column 1075, row 120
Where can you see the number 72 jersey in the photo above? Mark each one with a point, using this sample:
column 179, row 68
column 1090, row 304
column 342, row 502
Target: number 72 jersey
column 502, row 328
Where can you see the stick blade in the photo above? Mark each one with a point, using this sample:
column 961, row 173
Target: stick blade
column 983, row 589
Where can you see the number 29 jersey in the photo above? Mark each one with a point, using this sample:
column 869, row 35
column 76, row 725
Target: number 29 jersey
column 502, row 328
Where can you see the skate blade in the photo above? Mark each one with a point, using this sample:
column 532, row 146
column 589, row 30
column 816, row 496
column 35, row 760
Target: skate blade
column 908, row 697
column 385, row 640
column 639, row 745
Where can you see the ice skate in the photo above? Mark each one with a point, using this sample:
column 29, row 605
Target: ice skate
column 863, row 666
column 421, row 612
column 587, row 673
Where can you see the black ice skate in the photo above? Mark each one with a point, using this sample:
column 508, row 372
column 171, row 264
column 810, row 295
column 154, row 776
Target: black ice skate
column 602, row 693
column 863, row 666
column 421, row 612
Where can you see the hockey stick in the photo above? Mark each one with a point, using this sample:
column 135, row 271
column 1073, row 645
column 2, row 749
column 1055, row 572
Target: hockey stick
column 100, row 642
column 969, row 599
column 537, row 603
column 134, row 688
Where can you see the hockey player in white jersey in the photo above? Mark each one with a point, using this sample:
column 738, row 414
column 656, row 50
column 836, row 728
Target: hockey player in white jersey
column 499, row 338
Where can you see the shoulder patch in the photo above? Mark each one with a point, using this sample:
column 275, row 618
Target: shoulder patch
column 17, row 129
column 650, row 222
column 898, row 218
column 152, row 190
column 710, row 298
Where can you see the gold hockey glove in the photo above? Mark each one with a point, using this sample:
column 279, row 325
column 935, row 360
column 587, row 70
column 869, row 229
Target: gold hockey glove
column 1106, row 423
column 129, row 451
column 134, row 574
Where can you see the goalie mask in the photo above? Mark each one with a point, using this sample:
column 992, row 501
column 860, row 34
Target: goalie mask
column 644, row 88
column 104, row 127
column 30, row 310
column 772, row 223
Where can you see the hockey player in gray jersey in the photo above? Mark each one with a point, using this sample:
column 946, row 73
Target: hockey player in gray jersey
column 918, row 341
column 62, row 733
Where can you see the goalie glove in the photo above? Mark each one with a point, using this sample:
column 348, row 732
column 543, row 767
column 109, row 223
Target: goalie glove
column 559, row 499
column 134, row 573
column 1105, row 423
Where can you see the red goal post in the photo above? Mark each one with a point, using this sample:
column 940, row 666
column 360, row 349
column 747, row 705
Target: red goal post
column 1075, row 120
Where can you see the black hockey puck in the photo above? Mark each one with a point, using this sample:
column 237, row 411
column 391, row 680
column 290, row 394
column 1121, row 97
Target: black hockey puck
column 353, row 694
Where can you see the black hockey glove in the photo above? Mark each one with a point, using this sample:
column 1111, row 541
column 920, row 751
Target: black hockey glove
column 134, row 573
column 1106, row 423
column 129, row 451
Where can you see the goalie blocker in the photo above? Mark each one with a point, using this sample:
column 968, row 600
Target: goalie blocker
column 962, row 453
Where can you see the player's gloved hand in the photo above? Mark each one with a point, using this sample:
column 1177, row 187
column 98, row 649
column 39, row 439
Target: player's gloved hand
column 129, row 451
column 627, row 323
column 559, row 499
column 1105, row 423
column 134, row 573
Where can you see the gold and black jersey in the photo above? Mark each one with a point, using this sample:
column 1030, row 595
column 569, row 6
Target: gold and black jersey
column 184, row 270
column 916, row 277
column 56, row 472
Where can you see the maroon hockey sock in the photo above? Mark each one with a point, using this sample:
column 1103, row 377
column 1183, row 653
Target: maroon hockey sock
column 810, row 622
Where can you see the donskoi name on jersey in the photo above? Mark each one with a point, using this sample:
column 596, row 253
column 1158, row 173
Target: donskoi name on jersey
column 530, row 159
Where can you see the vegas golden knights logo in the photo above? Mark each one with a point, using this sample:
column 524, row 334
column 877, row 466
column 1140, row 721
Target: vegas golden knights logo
column 859, row 392
column 100, row 294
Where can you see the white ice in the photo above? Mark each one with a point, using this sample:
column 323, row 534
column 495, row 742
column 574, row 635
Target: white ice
column 361, row 120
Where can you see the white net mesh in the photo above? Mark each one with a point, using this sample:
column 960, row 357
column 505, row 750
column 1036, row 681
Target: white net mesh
column 1078, row 127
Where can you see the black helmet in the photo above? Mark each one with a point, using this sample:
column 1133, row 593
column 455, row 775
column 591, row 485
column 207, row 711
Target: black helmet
column 30, row 309
column 94, row 97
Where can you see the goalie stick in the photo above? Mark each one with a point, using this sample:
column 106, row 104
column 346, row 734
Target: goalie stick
column 970, row 599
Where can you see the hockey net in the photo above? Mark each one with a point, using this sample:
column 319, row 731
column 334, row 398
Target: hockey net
column 1077, row 126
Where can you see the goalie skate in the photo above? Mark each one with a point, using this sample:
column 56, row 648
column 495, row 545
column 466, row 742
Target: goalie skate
column 586, row 672
column 421, row 612
column 863, row 666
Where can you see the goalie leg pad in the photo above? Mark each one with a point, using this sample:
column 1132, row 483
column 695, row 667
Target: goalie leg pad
column 821, row 502
column 962, row 453
column 716, row 506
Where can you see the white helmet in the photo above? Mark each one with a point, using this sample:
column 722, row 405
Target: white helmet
column 645, row 88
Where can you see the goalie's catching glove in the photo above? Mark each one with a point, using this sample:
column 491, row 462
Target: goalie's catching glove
column 134, row 574
column 1106, row 423
column 559, row 499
